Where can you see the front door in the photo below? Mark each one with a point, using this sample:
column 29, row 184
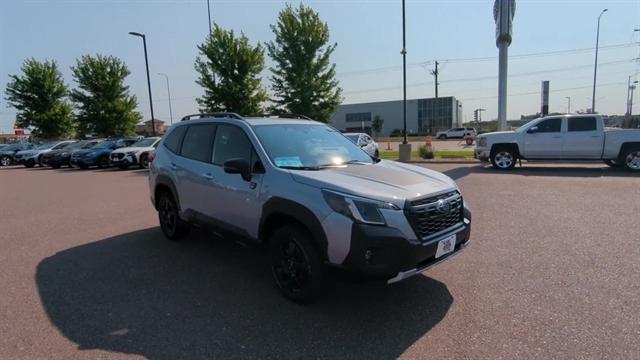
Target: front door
column 583, row 139
column 232, row 201
column 545, row 142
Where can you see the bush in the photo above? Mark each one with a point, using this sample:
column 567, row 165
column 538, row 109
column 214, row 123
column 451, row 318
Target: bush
column 425, row 152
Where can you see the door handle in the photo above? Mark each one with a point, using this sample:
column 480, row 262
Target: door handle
column 173, row 166
column 207, row 176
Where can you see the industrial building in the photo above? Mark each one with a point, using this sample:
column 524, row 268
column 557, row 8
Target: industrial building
column 423, row 115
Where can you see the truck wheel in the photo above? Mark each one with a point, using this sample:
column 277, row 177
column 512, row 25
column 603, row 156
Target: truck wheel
column 631, row 159
column 503, row 159
column 613, row 163
column 296, row 264
column 172, row 226
column 442, row 137
column 5, row 161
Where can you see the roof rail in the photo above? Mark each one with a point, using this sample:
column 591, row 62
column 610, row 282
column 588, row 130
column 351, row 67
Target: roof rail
column 212, row 115
column 284, row 116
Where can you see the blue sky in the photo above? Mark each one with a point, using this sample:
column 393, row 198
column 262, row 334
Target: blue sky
column 368, row 57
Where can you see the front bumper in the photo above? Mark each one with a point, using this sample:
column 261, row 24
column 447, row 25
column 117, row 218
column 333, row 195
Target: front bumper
column 481, row 154
column 126, row 160
column 384, row 252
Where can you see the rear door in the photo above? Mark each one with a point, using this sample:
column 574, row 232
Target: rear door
column 583, row 139
column 545, row 142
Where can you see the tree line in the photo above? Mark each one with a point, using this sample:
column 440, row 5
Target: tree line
column 229, row 70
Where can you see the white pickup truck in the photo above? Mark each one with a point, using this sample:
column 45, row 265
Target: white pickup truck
column 564, row 137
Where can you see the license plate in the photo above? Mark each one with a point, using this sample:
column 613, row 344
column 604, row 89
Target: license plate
column 446, row 246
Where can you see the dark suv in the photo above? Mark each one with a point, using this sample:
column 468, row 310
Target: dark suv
column 98, row 155
column 62, row 157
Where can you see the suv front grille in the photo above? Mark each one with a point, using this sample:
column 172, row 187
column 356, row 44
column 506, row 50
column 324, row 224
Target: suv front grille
column 431, row 215
column 118, row 156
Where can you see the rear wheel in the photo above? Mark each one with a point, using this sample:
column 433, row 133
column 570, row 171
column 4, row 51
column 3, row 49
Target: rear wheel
column 503, row 158
column 296, row 264
column 631, row 159
column 5, row 161
column 172, row 226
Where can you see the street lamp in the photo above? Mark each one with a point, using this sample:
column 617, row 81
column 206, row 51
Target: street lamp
column 166, row 77
column 595, row 67
column 568, row 104
column 405, row 147
column 146, row 62
column 209, row 13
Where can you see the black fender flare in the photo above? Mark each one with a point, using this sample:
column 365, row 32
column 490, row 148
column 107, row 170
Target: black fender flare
column 277, row 209
column 165, row 181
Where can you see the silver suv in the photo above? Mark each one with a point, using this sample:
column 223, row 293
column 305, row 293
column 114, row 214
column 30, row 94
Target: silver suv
column 311, row 196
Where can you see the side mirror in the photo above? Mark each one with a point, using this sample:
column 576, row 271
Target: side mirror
column 238, row 166
column 532, row 130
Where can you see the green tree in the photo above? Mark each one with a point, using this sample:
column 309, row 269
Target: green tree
column 377, row 124
column 39, row 96
column 303, row 79
column 105, row 107
column 229, row 69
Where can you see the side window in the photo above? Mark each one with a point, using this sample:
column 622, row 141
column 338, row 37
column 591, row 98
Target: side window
column 582, row 124
column 231, row 143
column 174, row 139
column 550, row 125
column 197, row 142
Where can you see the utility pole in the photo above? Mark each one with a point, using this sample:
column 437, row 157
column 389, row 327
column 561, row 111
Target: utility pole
column 568, row 104
column 435, row 74
column 146, row 63
column 595, row 66
column 209, row 13
column 405, row 147
column 628, row 91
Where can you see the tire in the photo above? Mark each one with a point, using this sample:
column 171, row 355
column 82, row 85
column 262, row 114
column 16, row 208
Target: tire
column 30, row 163
column 613, row 163
column 5, row 161
column 40, row 161
column 83, row 167
column 503, row 158
column 171, row 225
column 631, row 159
column 56, row 166
column 144, row 161
column 442, row 137
column 103, row 162
column 296, row 264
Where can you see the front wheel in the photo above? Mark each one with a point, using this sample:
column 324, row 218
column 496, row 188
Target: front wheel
column 442, row 137
column 173, row 227
column 631, row 159
column 144, row 161
column 503, row 159
column 5, row 161
column 296, row 264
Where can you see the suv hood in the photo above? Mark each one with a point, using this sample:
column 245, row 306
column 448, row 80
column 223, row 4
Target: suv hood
column 386, row 181
column 132, row 148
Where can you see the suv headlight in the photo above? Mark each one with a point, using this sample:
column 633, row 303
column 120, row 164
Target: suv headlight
column 363, row 210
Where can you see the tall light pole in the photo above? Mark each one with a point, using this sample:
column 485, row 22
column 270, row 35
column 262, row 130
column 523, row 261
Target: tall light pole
column 405, row 147
column 595, row 67
column 568, row 104
column 209, row 13
column 166, row 77
column 503, row 13
column 146, row 62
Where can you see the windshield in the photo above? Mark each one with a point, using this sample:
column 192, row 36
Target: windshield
column 353, row 137
column 144, row 142
column 104, row 145
column 306, row 146
column 525, row 126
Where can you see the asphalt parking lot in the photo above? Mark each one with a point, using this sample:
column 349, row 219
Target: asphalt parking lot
column 553, row 272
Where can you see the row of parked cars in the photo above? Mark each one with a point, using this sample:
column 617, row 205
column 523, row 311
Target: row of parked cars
column 121, row 152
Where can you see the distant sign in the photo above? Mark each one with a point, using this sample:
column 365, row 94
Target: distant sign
column 503, row 12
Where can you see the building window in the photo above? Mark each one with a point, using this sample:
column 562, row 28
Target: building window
column 358, row 117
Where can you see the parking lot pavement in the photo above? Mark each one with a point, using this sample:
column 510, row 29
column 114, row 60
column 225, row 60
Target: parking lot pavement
column 552, row 272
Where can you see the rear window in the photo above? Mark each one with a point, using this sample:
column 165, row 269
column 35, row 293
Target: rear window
column 582, row 124
column 174, row 139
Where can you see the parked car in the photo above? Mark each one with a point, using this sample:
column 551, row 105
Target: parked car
column 136, row 154
column 566, row 137
column 365, row 142
column 98, row 155
column 32, row 157
column 7, row 153
column 456, row 133
column 309, row 195
column 62, row 157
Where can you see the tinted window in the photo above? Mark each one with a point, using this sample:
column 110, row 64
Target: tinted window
column 550, row 125
column 582, row 124
column 231, row 143
column 173, row 140
column 197, row 142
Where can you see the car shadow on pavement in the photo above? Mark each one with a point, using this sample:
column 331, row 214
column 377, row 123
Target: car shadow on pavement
column 536, row 169
column 138, row 293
